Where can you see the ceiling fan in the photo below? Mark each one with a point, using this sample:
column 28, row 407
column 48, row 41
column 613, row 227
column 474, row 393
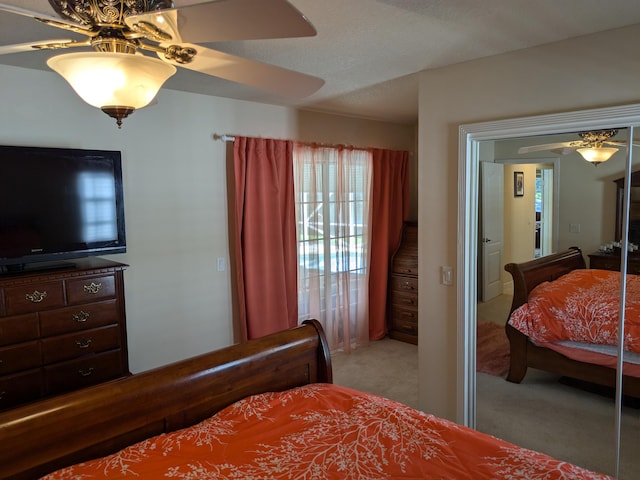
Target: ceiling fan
column 117, row 77
column 596, row 146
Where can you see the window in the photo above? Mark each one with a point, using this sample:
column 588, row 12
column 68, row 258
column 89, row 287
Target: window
column 332, row 214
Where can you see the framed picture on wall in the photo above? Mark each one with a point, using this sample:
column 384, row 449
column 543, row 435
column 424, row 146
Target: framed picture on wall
column 518, row 184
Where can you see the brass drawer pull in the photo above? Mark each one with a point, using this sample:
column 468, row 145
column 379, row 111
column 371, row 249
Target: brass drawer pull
column 83, row 343
column 81, row 316
column 36, row 296
column 93, row 288
column 85, row 372
column 407, row 286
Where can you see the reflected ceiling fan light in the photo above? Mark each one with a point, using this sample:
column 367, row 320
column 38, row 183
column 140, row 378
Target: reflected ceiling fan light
column 597, row 155
column 117, row 83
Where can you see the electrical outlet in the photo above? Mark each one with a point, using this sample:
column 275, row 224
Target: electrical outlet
column 574, row 228
column 221, row 265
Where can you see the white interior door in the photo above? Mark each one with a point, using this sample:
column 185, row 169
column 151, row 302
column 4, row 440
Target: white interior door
column 491, row 229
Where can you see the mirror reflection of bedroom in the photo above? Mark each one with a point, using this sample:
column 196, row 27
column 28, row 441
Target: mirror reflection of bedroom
column 534, row 204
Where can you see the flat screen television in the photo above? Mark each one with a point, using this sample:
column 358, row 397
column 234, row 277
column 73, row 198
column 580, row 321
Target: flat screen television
column 59, row 204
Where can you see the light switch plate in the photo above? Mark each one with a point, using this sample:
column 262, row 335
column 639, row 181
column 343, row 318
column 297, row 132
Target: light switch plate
column 446, row 275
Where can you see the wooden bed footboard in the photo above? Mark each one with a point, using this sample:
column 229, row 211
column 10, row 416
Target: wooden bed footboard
column 524, row 353
column 526, row 276
column 44, row 436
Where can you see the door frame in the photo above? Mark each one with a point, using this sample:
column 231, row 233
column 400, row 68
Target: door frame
column 556, row 188
column 469, row 136
column 547, row 226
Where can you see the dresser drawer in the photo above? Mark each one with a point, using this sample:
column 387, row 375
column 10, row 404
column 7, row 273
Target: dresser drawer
column 86, row 290
column 407, row 265
column 33, row 297
column 404, row 284
column 409, row 327
column 83, row 372
column 73, row 345
column 20, row 388
column 81, row 317
column 404, row 314
column 19, row 329
column 21, row 356
column 404, row 298
column 605, row 263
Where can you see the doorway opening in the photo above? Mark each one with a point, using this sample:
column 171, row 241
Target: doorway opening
column 544, row 211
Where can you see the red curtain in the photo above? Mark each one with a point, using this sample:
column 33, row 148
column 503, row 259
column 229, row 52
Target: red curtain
column 390, row 208
column 265, row 236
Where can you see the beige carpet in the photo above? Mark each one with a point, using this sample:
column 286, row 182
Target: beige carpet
column 386, row 367
column 562, row 421
column 540, row 413
column 545, row 415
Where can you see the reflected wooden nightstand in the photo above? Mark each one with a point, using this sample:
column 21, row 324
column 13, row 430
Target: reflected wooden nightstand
column 611, row 261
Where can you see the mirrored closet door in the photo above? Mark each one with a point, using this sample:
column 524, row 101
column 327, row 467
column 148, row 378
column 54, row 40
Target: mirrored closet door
column 628, row 224
column 580, row 208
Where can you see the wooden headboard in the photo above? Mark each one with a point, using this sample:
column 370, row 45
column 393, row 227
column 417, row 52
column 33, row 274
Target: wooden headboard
column 44, row 436
column 544, row 269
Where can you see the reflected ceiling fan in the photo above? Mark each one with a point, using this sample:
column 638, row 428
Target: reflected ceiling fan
column 117, row 77
column 596, row 146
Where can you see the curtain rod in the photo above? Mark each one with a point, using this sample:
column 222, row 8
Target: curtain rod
column 225, row 137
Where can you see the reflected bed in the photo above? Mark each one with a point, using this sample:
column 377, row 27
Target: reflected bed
column 585, row 352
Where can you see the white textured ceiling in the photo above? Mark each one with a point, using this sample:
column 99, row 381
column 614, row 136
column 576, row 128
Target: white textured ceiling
column 368, row 51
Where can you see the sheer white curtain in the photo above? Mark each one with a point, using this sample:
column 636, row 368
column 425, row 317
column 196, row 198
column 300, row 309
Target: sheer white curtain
column 332, row 190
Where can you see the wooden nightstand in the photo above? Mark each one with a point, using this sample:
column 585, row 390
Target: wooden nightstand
column 611, row 261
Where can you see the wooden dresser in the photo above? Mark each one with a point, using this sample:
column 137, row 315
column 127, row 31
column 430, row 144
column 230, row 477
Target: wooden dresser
column 61, row 330
column 403, row 287
column 611, row 261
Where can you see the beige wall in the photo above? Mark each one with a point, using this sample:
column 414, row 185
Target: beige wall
column 547, row 79
column 177, row 303
column 586, row 193
column 519, row 216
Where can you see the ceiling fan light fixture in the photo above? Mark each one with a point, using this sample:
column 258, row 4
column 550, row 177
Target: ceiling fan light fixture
column 117, row 83
column 597, row 155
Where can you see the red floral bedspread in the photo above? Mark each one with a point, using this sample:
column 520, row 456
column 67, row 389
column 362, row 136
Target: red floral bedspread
column 323, row 431
column 582, row 306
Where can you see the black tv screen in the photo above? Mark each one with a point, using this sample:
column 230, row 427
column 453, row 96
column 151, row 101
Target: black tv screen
column 58, row 204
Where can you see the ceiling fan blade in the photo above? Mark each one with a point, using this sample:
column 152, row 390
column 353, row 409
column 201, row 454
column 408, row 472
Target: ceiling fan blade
column 29, row 29
column 548, row 146
column 564, row 150
column 224, row 20
column 42, row 45
column 623, row 143
column 281, row 81
column 48, row 19
column 25, row 12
